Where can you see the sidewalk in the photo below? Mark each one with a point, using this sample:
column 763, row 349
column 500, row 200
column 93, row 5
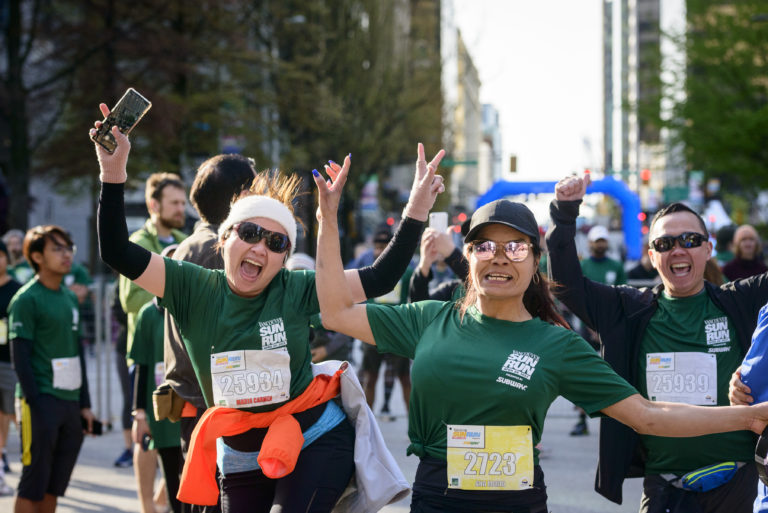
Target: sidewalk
column 569, row 467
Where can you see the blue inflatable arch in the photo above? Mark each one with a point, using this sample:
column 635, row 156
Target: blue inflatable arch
column 618, row 190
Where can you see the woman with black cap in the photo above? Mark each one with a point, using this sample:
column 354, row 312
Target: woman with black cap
column 487, row 367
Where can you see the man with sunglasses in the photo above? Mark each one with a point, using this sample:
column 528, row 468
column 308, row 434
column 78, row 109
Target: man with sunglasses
column 679, row 341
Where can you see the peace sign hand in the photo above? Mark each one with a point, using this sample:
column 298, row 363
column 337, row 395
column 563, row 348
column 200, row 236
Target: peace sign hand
column 329, row 192
column 426, row 186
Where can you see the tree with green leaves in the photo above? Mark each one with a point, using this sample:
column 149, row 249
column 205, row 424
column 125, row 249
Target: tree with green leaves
column 723, row 120
column 292, row 82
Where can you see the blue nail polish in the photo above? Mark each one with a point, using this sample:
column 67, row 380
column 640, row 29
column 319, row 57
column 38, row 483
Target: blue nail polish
column 332, row 162
column 314, row 172
column 349, row 156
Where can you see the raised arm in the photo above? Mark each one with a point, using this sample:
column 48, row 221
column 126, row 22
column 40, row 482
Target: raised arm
column 683, row 420
column 382, row 276
column 338, row 308
column 145, row 269
column 582, row 296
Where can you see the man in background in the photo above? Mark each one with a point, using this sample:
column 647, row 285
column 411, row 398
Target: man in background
column 166, row 201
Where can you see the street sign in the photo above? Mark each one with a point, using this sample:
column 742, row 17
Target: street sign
column 448, row 162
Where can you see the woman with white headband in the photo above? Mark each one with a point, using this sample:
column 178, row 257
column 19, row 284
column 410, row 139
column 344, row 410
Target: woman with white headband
column 246, row 330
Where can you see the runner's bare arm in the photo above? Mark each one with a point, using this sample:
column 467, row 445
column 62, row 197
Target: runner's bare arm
column 684, row 420
column 338, row 308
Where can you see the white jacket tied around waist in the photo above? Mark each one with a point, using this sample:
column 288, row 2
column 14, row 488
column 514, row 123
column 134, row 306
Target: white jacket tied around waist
column 378, row 480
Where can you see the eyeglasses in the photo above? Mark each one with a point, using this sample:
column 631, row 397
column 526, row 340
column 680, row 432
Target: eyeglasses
column 514, row 250
column 685, row 240
column 59, row 248
column 252, row 233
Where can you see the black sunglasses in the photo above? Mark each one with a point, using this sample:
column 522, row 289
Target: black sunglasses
column 685, row 240
column 252, row 233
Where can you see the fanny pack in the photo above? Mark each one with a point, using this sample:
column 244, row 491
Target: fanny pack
column 707, row 478
column 166, row 403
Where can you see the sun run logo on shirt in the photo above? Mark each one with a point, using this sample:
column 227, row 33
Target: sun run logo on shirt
column 521, row 364
column 518, row 365
column 272, row 334
column 717, row 331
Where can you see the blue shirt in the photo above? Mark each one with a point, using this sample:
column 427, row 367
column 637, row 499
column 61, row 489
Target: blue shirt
column 754, row 374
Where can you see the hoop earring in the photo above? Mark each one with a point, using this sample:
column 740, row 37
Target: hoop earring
column 536, row 278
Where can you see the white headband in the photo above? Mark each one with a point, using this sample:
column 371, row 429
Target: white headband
column 261, row 206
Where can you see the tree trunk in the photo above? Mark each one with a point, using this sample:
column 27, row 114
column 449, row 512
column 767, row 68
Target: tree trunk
column 18, row 170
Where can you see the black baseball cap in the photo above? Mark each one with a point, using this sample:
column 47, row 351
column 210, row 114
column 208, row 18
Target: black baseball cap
column 509, row 213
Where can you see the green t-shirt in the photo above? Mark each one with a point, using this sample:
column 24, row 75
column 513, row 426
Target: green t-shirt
column 487, row 371
column 212, row 319
column 690, row 325
column 147, row 350
column 49, row 319
column 604, row 270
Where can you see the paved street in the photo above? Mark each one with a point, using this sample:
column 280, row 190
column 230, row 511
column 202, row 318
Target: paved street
column 568, row 463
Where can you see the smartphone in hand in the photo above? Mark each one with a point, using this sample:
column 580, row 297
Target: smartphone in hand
column 145, row 441
column 438, row 221
column 126, row 115
column 96, row 427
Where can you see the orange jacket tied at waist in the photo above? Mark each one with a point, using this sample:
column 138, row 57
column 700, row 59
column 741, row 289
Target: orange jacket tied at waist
column 279, row 450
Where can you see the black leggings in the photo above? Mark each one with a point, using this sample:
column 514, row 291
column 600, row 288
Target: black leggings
column 171, row 463
column 322, row 472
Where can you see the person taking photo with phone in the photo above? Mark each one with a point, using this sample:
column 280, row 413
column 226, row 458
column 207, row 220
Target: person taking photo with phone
column 257, row 312
column 504, row 342
column 48, row 359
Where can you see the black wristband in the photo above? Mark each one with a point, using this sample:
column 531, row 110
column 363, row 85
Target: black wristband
column 382, row 276
column 122, row 255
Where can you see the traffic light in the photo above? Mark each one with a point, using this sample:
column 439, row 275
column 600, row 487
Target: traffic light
column 645, row 176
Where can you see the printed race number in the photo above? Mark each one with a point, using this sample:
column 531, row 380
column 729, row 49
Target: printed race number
column 679, row 383
column 247, row 378
column 489, row 457
column 689, row 378
column 238, row 383
column 501, row 464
